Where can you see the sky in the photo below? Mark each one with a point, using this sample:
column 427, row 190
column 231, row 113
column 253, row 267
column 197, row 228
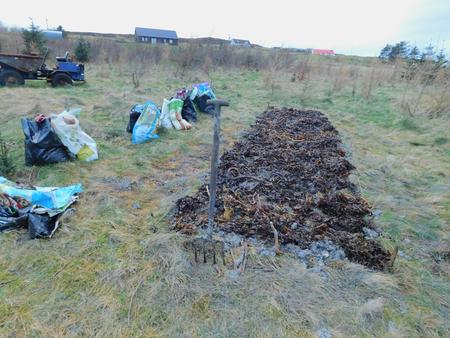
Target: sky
column 356, row 27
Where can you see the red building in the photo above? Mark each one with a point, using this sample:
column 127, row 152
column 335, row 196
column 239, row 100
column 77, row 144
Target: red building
column 322, row 52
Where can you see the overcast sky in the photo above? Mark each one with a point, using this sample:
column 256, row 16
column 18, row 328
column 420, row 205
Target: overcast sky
column 360, row 27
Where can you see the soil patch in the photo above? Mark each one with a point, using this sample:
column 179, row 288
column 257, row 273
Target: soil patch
column 291, row 170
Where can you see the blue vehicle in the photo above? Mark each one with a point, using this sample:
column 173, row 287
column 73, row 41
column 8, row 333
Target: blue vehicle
column 15, row 69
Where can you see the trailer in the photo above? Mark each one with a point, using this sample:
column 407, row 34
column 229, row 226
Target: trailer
column 16, row 68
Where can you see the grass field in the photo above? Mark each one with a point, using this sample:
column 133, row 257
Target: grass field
column 115, row 271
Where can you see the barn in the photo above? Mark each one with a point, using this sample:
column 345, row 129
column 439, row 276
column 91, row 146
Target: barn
column 154, row 36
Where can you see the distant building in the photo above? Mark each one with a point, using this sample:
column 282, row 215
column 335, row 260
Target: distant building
column 155, row 36
column 241, row 43
column 304, row 50
column 322, row 52
column 53, row 35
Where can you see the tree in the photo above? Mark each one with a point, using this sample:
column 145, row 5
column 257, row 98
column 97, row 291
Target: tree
column 82, row 50
column 61, row 29
column 428, row 54
column 384, row 54
column 399, row 50
column 403, row 48
column 441, row 59
column 33, row 39
column 414, row 53
column 392, row 52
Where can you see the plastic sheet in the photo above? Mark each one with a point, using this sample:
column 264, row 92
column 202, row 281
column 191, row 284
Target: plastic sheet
column 53, row 198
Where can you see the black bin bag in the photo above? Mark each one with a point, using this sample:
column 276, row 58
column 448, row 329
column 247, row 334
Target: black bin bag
column 203, row 106
column 134, row 116
column 41, row 226
column 188, row 112
column 42, row 145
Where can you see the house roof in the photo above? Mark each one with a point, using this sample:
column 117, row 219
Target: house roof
column 323, row 51
column 156, row 33
column 240, row 41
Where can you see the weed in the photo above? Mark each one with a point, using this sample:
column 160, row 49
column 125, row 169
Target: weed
column 409, row 124
column 7, row 167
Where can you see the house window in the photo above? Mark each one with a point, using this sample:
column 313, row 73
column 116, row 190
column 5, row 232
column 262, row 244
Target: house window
column 170, row 41
column 153, row 41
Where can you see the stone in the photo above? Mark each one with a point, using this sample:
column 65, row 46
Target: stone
column 324, row 333
column 370, row 233
column 303, row 254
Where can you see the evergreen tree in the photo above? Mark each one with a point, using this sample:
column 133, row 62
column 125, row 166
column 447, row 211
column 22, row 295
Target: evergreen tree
column 428, row 53
column 441, row 59
column 399, row 50
column 414, row 53
column 384, row 54
column 82, row 50
column 33, row 39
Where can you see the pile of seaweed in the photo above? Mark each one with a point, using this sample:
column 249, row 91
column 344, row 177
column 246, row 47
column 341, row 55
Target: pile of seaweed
column 288, row 170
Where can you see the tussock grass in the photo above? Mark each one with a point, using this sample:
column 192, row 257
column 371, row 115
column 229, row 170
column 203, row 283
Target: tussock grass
column 114, row 271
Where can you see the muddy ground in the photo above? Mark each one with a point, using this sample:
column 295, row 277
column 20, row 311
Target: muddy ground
column 290, row 170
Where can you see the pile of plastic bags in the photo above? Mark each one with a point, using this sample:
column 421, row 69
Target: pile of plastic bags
column 37, row 208
column 57, row 138
column 178, row 113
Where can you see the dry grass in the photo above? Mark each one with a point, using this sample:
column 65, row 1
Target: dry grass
column 113, row 271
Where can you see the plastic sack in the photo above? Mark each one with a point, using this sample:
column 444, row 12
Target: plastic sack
column 42, row 144
column 74, row 111
column 175, row 108
column 145, row 128
column 41, row 226
column 165, row 117
column 134, row 116
column 52, row 198
column 8, row 223
column 204, row 89
column 188, row 112
column 201, row 103
column 67, row 127
column 200, row 94
column 182, row 94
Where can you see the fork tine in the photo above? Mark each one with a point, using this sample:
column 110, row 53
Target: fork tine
column 204, row 251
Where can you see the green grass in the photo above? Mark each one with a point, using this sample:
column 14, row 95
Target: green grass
column 115, row 271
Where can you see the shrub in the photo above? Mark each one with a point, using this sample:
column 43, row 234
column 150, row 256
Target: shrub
column 6, row 165
column 82, row 50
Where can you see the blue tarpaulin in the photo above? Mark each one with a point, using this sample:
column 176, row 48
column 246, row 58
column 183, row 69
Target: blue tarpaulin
column 52, row 198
